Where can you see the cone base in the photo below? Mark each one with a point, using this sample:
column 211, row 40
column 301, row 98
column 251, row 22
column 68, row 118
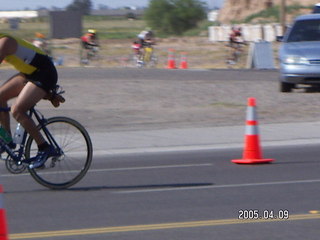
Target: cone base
column 183, row 66
column 252, row 161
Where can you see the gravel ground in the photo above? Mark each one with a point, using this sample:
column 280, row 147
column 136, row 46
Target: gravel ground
column 118, row 97
column 122, row 99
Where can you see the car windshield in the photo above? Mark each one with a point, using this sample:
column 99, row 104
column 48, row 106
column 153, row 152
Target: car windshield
column 305, row 30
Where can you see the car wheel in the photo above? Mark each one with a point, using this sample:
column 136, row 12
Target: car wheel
column 286, row 87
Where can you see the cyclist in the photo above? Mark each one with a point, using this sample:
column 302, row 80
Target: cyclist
column 36, row 78
column 90, row 44
column 146, row 39
column 235, row 37
column 235, row 43
column 90, row 39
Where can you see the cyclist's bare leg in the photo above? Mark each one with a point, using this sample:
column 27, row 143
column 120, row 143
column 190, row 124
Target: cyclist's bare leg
column 28, row 97
column 10, row 89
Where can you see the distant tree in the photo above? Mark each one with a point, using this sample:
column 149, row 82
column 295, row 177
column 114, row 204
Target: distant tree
column 80, row 5
column 175, row 16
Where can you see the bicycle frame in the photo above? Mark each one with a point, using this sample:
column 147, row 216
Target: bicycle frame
column 17, row 155
column 70, row 160
column 148, row 51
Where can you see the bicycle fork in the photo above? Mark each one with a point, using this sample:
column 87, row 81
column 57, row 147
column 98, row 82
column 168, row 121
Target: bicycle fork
column 42, row 126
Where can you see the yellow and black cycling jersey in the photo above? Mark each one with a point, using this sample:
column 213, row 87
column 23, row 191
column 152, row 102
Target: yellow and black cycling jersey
column 23, row 58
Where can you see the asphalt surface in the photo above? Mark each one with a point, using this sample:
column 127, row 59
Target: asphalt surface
column 162, row 173
column 174, row 195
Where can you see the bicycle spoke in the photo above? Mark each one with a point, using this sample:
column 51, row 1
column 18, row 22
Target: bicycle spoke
column 67, row 169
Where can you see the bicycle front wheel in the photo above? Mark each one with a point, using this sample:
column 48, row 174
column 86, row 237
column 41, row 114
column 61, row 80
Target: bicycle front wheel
column 74, row 160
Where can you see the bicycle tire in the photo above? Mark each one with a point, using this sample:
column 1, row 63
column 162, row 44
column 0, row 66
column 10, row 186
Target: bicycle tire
column 153, row 61
column 136, row 62
column 83, row 60
column 68, row 169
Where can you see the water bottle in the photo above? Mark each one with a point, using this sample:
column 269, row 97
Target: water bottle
column 4, row 135
column 18, row 134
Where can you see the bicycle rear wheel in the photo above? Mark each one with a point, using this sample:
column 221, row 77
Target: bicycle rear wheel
column 75, row 159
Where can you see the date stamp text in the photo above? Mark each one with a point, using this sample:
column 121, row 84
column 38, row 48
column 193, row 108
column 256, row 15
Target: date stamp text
column 255, row 214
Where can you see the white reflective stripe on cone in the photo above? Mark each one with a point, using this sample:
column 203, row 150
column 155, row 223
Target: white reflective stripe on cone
column 251, row 114
column 252, row 130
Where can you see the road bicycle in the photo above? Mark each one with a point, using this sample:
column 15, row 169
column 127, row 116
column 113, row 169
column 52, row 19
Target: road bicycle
column 73, row 151
column 235, row 52
column 90, row 55
column 136, row 59
column 147, row 58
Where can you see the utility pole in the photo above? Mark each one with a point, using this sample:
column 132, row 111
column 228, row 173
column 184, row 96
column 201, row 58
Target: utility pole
column 283, row 16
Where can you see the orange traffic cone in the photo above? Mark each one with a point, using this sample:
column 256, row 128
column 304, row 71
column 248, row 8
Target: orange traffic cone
column 252, row 152
column 3, row 222
column 171, row 60
column 183, row 61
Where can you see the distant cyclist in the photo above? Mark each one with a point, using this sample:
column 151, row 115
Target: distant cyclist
column 146, row 37
column 235, row 37
column 90, row 45
column 146, row 41
column 236, row 42
column 90, row 39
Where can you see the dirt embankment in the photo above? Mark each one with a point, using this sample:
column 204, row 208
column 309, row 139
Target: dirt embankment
column 240, row 9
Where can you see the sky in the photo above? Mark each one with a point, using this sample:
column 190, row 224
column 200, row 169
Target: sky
column 35, row 4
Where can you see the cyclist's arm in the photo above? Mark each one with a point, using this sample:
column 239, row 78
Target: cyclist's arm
column 8, row 46
column 150, row 41
column 55, row 98
column 93, row 44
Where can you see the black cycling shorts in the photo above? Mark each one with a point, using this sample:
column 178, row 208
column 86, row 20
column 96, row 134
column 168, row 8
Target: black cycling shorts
column 46, row 76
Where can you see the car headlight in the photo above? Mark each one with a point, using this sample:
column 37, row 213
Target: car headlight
column 295, row 60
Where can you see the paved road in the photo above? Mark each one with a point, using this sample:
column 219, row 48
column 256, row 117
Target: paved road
column 193, row 195
column 163, row 144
